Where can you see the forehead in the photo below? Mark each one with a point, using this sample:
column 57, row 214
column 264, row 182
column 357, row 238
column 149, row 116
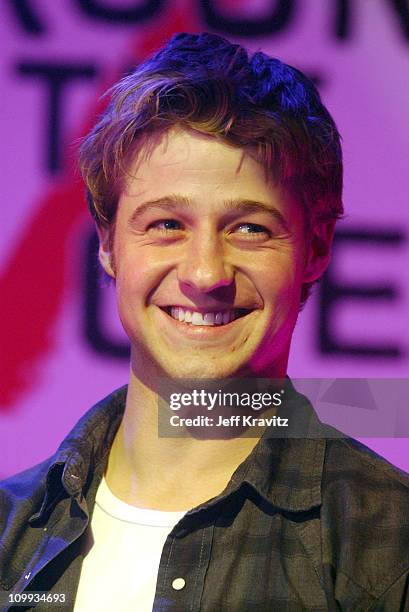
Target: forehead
column 192, row 160
column 203, row 170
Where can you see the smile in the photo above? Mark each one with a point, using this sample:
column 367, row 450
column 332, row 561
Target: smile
column 209, row 319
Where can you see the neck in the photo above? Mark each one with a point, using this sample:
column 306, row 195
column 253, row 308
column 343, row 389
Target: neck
column 167, row 473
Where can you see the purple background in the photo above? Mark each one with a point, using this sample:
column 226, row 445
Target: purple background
column 364, row 82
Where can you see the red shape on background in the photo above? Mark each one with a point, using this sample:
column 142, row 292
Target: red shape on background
column 37, row 276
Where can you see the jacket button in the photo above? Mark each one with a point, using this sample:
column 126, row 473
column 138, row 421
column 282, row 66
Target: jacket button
column 178, row 584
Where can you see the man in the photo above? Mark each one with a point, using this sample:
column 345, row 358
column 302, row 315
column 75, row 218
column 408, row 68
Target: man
column 215, row 183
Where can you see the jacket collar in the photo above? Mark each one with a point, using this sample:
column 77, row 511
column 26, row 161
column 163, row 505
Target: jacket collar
column 285, row 471
column 286, row 465
column 87, row 444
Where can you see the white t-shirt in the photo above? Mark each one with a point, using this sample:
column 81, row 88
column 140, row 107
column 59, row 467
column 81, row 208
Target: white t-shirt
column 120, row 571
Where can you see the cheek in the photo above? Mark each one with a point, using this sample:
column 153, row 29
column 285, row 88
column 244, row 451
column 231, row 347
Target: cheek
column 280, row 280
column 139, row 273
column 129, row 279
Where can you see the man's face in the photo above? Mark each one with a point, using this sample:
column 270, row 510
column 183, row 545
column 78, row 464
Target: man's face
column 209, row 262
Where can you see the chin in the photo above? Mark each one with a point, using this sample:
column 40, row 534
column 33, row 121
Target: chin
column 195, row 364
column 199, row 371
column 201, row 368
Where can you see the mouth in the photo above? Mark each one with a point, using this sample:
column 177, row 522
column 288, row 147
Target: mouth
column 211, row 318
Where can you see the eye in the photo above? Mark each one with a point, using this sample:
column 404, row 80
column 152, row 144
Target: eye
column 165, row 225
column 253, row 229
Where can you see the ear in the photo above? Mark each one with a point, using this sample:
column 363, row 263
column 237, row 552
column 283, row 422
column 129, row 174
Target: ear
column 105, row 255
column 318, row 255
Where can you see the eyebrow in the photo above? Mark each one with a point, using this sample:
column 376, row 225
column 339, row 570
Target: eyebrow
column 175, row 203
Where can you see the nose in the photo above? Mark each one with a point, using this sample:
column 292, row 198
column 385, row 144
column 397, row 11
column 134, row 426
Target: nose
column 204, row 266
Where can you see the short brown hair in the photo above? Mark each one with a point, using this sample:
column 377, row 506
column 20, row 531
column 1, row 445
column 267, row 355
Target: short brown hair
column 205, row 83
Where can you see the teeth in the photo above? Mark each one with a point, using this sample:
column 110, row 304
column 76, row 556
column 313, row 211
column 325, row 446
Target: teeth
column 198, row 318
column 218, row 318
column 188, row 316
column 209, row 318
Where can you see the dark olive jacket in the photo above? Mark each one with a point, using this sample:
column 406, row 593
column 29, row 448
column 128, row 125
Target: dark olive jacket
column 307, row 523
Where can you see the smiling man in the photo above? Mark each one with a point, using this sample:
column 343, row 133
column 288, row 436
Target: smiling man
column 221, row 256
column 215, row 182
